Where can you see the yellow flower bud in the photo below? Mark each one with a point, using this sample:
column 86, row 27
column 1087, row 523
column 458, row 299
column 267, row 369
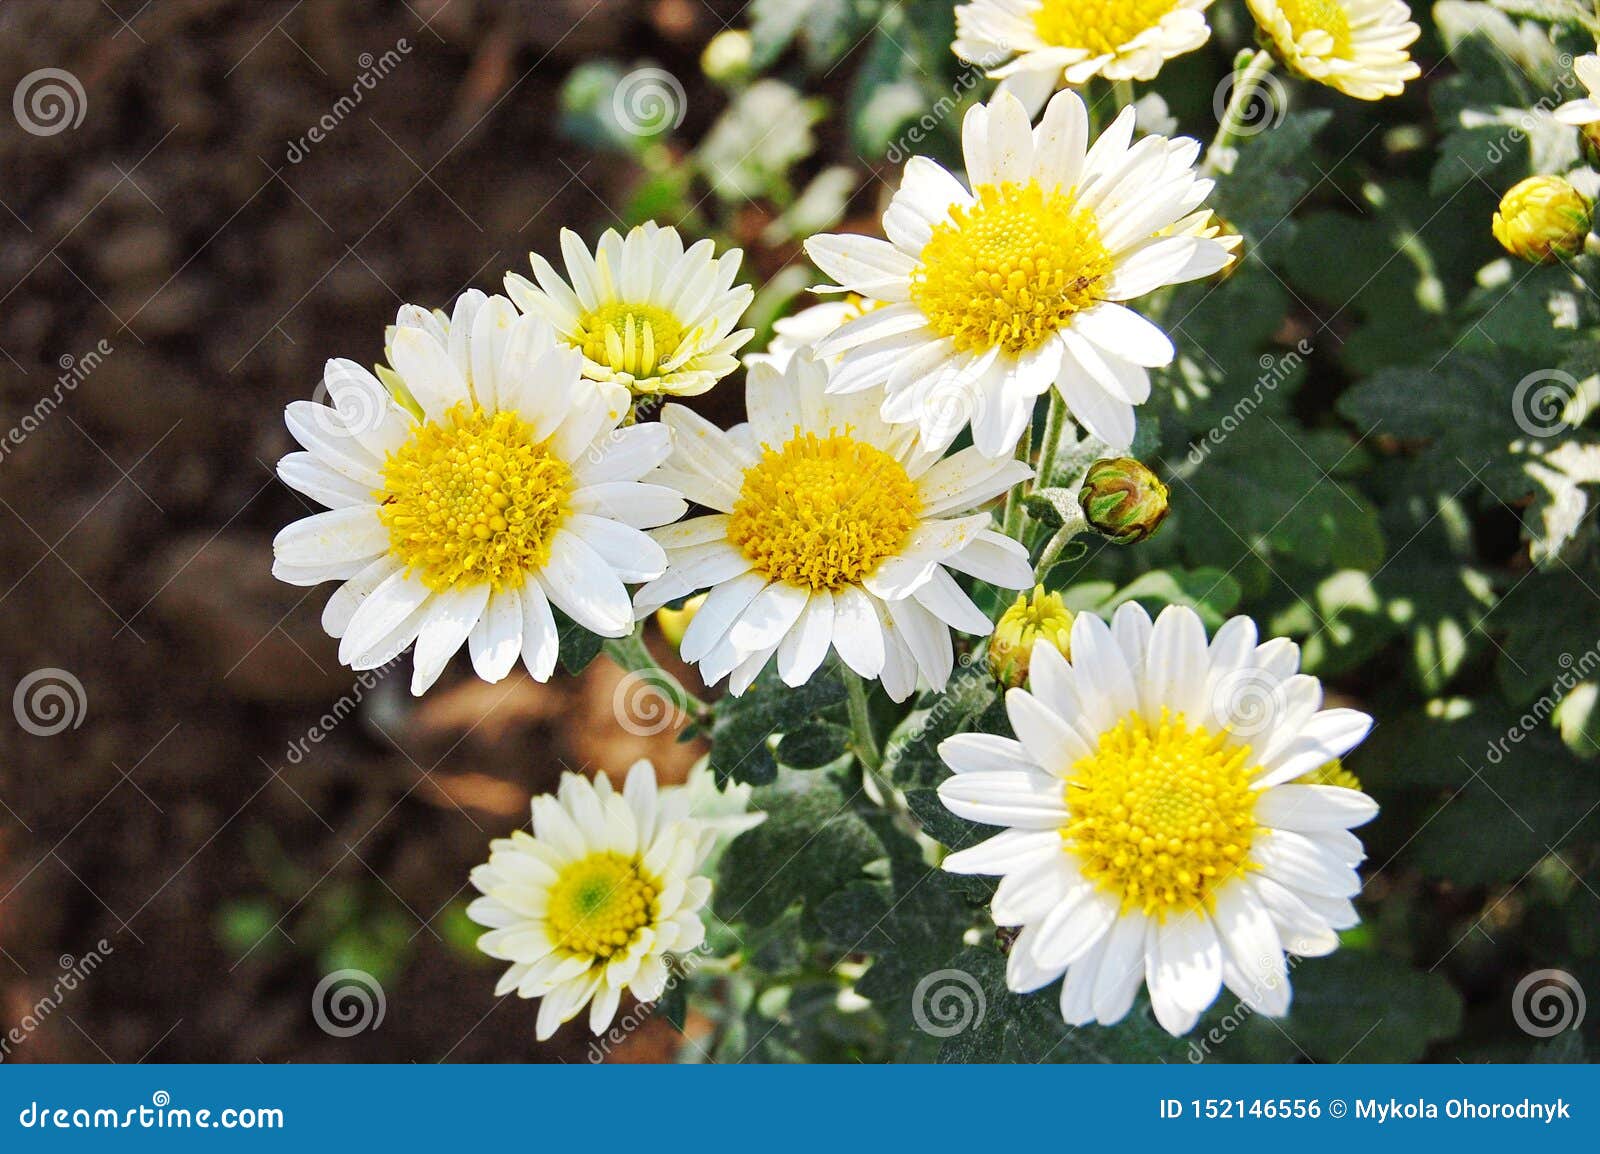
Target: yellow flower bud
column 1332, row 773
column 727, row 56
column 673, row 622
column 1041, row 617
column 1543, row 219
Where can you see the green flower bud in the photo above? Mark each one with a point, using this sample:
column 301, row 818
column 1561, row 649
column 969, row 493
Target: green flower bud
column 1543, row 219
column 1030, row 620
column 1123, row 500
column 727, row 57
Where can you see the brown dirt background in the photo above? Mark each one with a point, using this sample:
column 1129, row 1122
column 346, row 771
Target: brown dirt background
column 137, row 519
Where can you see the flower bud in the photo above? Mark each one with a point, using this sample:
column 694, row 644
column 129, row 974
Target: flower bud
column 1123, row 500
column 1042, row 617
column 727, row 57
column 1330, row 773
column 1589, row 142
column 1543, row 219
column 673, row 622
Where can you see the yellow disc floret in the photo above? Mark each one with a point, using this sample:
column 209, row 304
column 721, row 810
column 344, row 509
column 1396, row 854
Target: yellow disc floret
column 1101, row 26
column 475, row 499
column 823, row 512
column 599, row 904
column 629, row 338
column 1326, row 16
column 1161, row 814
column 1010, row 269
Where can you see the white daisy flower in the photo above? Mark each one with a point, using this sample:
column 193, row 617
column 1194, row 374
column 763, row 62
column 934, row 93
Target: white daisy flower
column 1587, row 109
column 996, row 294
column 480, row 482
column 830, row 529
column 805, row 328
column 1355, row 46
column 645, row 313
column 1052, row 44
column 1156, row 830
column 592, row 903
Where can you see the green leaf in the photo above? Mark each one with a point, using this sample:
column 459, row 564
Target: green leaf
column 578, row 646
column 813, row 746
column 743, row 729
column 1364, row 1007
column 1270, row 493
column 970, row 701
column 1267, row 183
column 813, row 844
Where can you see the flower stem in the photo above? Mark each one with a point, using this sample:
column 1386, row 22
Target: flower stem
column 1011, row 523
column 1054, row 423
column 1122, row 92
column 861, row 739
column 632, row 655
column 1245, row 82
column 1074, row 525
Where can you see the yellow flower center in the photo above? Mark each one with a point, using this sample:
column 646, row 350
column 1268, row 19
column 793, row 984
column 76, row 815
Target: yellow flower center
column 823, row 513
column 1011, row 269
column 599, row 904
column 1327, row 16
column 1101, row 26
column 1161, row 814
column 472, row 500
column 628, row 338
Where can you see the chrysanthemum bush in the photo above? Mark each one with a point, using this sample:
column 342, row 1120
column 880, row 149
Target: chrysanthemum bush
column 1004, row 761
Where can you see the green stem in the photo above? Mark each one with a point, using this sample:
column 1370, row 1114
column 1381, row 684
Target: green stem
column 1058, row 544
column 861, row 739
column 1054, row 423
column 631, row 653
column 1245, row 83
column 1122, row 92
column 1011, row 523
